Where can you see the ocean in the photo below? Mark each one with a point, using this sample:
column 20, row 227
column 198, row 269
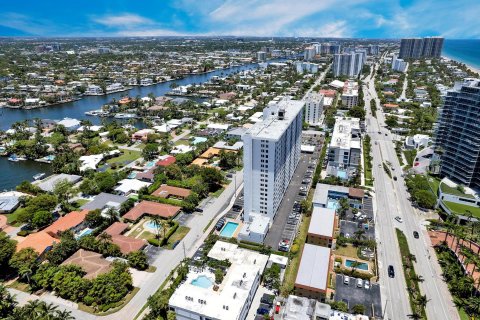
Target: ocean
column 466, row 51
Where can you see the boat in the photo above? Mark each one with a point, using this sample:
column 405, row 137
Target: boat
column 124, row 116
column 39, row 176
column 14, row 158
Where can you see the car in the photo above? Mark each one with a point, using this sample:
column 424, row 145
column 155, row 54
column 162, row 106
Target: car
column 277, row 308
column 379, row 132
column 267, row 299
column 197, row 258
column 262, row 311
column 415, row 234
column 175, row 244
column 198, row 209
column 284, row 245
column 376, row 142
column 359, row 283
column 395, row 178
column 399, row 219
column 229, row 175
column 366, row 284
column 346, row 280
column 391, row 271
column 386, row 134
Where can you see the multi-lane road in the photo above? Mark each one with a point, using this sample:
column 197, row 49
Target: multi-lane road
column 391, row 201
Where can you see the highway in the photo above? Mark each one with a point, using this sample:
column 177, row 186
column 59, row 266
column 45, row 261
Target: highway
column 391, row 201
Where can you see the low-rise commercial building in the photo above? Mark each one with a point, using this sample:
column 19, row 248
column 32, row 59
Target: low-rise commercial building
column 312, row 277
column 322, row 227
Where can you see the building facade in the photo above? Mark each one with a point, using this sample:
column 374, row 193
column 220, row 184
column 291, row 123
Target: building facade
column 416, row 48
column 349, row 64
column 399, row 65
column 271, row 155
column 350, row 94
column 344, row 148
column 313, row 108
column 457, row 136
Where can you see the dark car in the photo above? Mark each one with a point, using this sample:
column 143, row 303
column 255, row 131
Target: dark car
column 415, row 234
column 395, row 178
column 262, row 311
column 198, row 209
column 267, row 299
column 391, row 271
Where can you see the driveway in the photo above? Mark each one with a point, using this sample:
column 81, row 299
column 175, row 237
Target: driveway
column 352, row 295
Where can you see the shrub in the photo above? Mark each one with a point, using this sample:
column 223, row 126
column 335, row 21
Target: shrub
column 154, row 242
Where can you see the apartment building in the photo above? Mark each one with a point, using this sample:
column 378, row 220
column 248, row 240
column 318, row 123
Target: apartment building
column 270, row 157
column 313, row 108
column 416, row 48
column 322, row 227
column 398, row 64
column 344, row 148
column 350, row 94
column 349, row 64
column 457, row 136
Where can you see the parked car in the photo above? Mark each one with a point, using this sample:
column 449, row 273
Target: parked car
column 391, row 271
column 277, row 308
column 367, row 284
column 346, row 280
column 267, row 299
column 284, row 245
column 359, row 283
column 395, row 178
column 198, row 209
column 415, row 234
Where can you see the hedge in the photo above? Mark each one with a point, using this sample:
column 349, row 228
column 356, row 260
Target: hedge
column 154, row 242
column 172, row 202
column 170, row 232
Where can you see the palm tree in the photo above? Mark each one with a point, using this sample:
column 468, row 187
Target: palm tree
column 104, row 237
column 422, row 301
column 47, row 310
column 354, row 265
column 64, row 315
column 7, row 302
column 157, row 222
column 112, row 214
column 418, row 278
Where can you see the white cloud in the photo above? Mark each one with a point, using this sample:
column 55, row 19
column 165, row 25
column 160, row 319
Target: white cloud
column 149, row 33
column 25, row 23
column 126, row 20
column 337, row 29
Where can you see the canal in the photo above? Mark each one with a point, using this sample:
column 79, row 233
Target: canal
column 12, row 173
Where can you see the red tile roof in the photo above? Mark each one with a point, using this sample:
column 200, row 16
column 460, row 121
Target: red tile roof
column 356, row 193
column 116, row 228
column 39, row 242
column 127, row 244
column 165, row 191
column 67, row 222
column 152, row 208
column 166, row 161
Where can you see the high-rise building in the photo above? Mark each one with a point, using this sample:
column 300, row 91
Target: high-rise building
column 415, row 48
column 349, row 64
column 309, row 53
column 350, row 94
column 313, row 107
column 457, row 136
column 306, row 67
column 261, row 56
column 373, row 49
column 271, row 155
column 399, row 65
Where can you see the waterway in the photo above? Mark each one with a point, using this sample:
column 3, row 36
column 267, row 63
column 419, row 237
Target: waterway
column 12, row 173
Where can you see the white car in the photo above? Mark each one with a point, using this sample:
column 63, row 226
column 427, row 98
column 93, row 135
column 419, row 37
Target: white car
column 359, row 283
column 367, row 284
column 399, row 219
column 346, row 280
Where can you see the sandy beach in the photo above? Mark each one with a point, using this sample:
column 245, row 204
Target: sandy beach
column 473, row 69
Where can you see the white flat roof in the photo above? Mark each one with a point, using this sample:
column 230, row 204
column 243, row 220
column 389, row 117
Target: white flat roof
column 272, row 128
column 314, row 267
column 322, row 222
column 228, row 300
column 127, row 185
column 342, row 132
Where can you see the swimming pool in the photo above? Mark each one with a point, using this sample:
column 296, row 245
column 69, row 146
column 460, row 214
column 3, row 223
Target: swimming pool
column 197, row 140
column 151, row 225
column 202, row 282
column 361, row 265
column 83, row 233
column 332, row 204
column 229, row 229
column 342, row 174
column 150, row 164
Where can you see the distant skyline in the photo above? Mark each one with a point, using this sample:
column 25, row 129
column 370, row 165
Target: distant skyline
column 302, row 18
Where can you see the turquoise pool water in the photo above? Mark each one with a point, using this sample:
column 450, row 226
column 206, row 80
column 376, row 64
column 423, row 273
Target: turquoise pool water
column 361, row 266
column 197, row 140
column 229, row 229
column 150, row 164
column 332, row 204
column 342, row 174
column 202, row 282
column 151, row 225
column 132, row 175
column 83, row 233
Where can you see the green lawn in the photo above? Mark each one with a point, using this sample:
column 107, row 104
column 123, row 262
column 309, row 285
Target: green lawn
column 127, row 156
column 80, row 202
column 434, row 184
column 410, row 156
column 454, row 191
column 217, row 193
column 12, row 217
column 179, row 234
column 462, row 209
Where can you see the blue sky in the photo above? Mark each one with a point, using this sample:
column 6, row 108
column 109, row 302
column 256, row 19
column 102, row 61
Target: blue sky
column 311, row 18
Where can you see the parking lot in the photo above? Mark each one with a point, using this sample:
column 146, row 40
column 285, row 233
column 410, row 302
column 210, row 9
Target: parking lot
column 353, row 295
column 285, row 224
column 348, row 229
